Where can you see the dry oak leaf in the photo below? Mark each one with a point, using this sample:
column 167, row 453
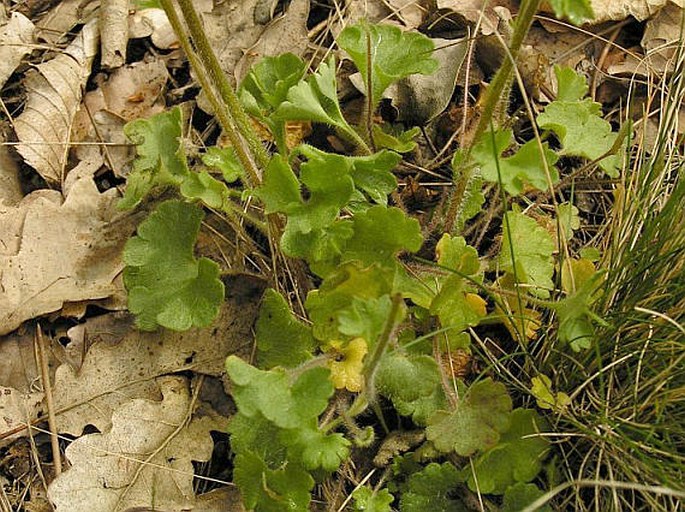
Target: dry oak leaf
column 53, row 252
column 54, row 93
column 113, row 373
column 145, row 460
column 16, row 409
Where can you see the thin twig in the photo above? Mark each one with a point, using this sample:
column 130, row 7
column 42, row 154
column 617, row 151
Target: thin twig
column 47, row 389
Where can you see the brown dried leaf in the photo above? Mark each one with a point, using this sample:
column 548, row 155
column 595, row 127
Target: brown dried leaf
column 53, row 252
column 63, row 17
column 145, row 460
column 15, row 39
column 10, row 186
column 54, row 94
column 16, row 410
column 114, row 32
column 606, row 10
column 112, row 374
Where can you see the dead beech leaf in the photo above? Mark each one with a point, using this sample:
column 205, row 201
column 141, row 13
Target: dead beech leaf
column 410, row 12
column 111, row 374
column 153, row 23
column 63, row 17
column 54, row 94
column 16, row 37
column 114, row 32
column 53, row 252
column 473, row 11
column 288, row 33
column 145, row 460
column 606, row 10
column 10, row 186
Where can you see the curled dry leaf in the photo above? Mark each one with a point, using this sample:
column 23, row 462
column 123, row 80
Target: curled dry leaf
column 15, row 39
column 145, row 460
column 111, row 374
column 63, row 17
column 54, row 94
column 114, row 32
column 153, row 23
column 53, row 252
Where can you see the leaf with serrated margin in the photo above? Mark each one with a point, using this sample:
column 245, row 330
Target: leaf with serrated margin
column 282, row 340
column 430, row 489
column 161, row 159
column 225, row 160
column 579, row 126
column 380, row 233
column 271, row 394
column 369, row 500
column 524, row 167
column 477, row 422
column 395, row 54
column 532, row 246
column 315, row 449
column 166, row 284
column 315, row 99
column 206, row 188
column 517, row 457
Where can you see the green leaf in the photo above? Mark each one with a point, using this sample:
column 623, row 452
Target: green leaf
column 282, row 340
column 368, row 500
column 413, row 385
column 517, row 457
column 576, row 11
column 205, row 188
column 267, row 84
column 476, row 423
column 571, row 86
column 314, row 449
column 225, row 160
column 271, row 394
column 315, row 99
column 280, row 189
column 575, row 316
column 532, row 247
column 166, row 284
column 520, row 495
column 523, row 167
column 456, row 308
column 394, row 54
column 580, row 128
column 568, row 219
column 546, row 398
column 365, row 318
column 380, row 233
column 454, row 254
column 268, row 490
column 161, row 159
column 429, row 489
column 258, row 435
column 401, row 141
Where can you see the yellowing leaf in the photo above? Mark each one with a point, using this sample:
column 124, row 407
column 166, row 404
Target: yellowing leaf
column 575, row 273
column 347, row 373
column 541, row 388
column 476, row 303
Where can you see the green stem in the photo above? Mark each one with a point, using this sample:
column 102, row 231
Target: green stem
column 493, row 96
column 218, row 77
column 220, row 109
column 382, row 344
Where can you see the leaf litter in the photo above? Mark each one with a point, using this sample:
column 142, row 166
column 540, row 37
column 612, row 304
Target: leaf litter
column 63, row 249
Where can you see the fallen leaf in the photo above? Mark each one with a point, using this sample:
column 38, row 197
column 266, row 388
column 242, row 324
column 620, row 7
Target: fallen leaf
column 131, row 92
column 54, row 94
column 15, row 41
column 475, row 11
column 153, row 23
column 10, row 186
column 662, row 35
column 410, row 12
column 53, row 252
column 286, row 34
column 419, row 98
column 16, row 410
column 63, row 17
column 111, row 374
column 606, row 10
column 114, row 32
column 145, row 460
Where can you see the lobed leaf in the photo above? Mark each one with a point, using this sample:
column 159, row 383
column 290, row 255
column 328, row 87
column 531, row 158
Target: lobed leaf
column 369, row 500
column 477, row 422
column 161, row 159
column 166, row 284
column 430, row 488
column 394, row 54
column 524, row 167
column 517, row 457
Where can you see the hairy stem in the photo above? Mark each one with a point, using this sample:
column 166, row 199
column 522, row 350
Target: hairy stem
column 493, row 97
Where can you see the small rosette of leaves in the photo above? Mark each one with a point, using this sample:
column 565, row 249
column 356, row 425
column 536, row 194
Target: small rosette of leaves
column 166, row 284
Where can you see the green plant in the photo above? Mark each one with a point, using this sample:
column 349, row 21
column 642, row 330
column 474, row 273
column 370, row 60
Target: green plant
column 378, row 327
